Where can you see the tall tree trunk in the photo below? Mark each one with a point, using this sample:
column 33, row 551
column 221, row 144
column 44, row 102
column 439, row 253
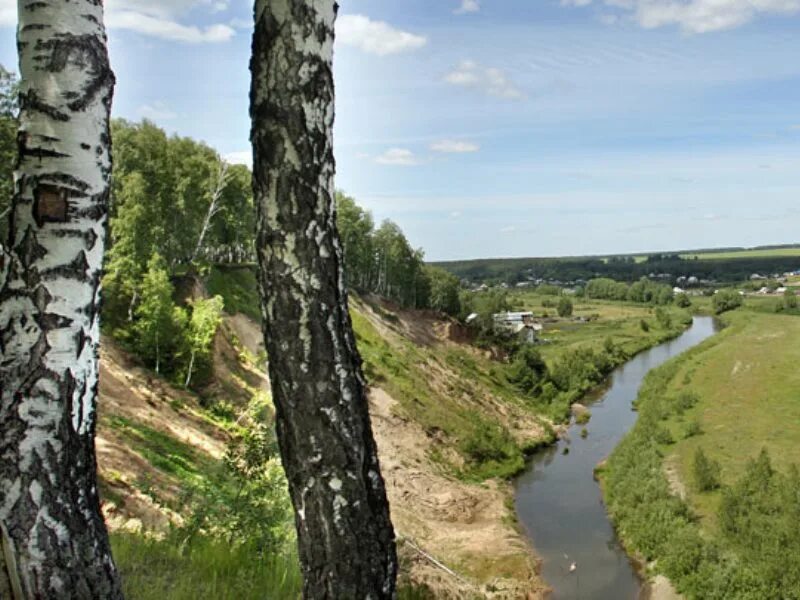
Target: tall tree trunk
column 346, row 539
column 213, row 207
column 53, row 538
column 189, row 371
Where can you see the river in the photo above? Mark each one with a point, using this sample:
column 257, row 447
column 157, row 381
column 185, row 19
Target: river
column 559, row 504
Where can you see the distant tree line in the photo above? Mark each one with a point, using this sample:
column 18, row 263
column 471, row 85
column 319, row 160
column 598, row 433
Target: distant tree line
column 643, row 291
column 513, row 271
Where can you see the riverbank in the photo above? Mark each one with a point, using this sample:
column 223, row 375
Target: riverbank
column 559, row 503
column 731, row 533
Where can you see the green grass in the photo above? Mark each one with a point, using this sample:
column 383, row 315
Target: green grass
column 754, row 253
column 238, row 287
column 403, row 370
column 749, row 390
column 620, row 321
column 155, row 569
column 164, row 569
column 164, row 452
column 458, row 405
column 732, row 395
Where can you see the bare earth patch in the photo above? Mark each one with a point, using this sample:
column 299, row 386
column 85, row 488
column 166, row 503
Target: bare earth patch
column 466, row 527
column 660, row 589
column 672, row 473
column 131, row 392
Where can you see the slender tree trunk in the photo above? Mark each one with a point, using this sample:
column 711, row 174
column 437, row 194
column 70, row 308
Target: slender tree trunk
column 346, row 540
column 189, row 371
column 213, row 207
column 158, row 355
column 54, row 541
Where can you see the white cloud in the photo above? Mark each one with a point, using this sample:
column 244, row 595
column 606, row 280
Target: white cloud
column 397, row 157
column 468, row 6
column 157, row 111
column 490, row 80
column 454, row 146
column 8, row 13
column 697, row 16
column 375, row 37
column 243, row 157
column 167, row 29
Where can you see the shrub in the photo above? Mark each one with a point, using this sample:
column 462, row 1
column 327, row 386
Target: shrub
column 685, row 401
column 565, row 307
column 663, row 317
column 726, row 300
column 705, row 472
column 790, row 299
column 491, row 452
column 528, row 371
column 693, row 428
column 683, row 301
column 644, row 325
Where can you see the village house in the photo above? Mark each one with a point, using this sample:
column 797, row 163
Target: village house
column 521, row 324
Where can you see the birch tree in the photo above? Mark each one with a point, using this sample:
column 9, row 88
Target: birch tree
column 346, row 540
column 54, row 542
column 214, row 206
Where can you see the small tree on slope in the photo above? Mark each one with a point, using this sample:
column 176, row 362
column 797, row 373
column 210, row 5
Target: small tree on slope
column 345, row 537
column 54, row 542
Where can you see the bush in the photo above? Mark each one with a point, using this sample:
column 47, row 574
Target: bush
column 685, row 401
column 683, row 301
column 693, row 429
column 663, row 317
column 528, row 371
column 726, row 300
column 565, row 307
column 644, row 325
column 705, row 472
column 790, row 299
column 491, row 452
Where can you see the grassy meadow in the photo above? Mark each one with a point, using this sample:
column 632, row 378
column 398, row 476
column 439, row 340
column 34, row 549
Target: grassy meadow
column 748, row 386
column 603, row 319
column 754, row 253
column 689, row 488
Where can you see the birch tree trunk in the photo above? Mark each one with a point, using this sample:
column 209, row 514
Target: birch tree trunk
column 53, row 538
column 213, row 207
column 346, row 540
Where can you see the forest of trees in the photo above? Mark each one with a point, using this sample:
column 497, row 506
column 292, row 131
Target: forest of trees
column 178, row 210
column 381, row 261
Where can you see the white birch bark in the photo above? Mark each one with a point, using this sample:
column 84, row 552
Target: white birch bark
column 345, row 536
column 54, row 541
column 213, row 207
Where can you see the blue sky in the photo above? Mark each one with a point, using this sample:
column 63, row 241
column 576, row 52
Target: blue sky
column 514, row 127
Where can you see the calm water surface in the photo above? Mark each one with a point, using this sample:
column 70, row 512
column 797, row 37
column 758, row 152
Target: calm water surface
column 559, row 503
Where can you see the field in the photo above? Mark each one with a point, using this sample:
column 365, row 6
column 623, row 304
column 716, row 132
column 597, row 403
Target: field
column 620, row 321
column 753, row 253
column 749, row 389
